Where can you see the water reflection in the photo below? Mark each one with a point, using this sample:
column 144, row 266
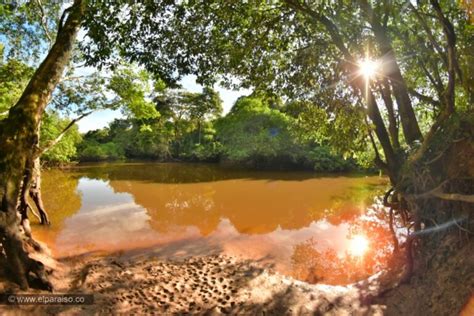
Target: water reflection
column 314, row 262
column 301, row 224
column 61, row 199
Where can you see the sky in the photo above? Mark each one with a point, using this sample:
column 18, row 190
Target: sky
column 102, row 118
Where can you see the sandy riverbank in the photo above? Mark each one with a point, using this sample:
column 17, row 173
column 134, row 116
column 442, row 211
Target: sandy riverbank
column 144, row 283
column 200, row 285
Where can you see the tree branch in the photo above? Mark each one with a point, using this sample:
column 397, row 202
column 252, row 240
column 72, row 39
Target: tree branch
column 392, row 120
column 438, row 84
column 448, row 30
column 52, row 143
column 438, row 192
column 43, row 22
column 424, row 98
column 428, row 193
column 63, row 17
column 427, row 29
column 378, row 160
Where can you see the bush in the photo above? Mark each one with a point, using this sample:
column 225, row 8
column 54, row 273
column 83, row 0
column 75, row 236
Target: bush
column 255, row 135
column 94, row 151
column 323, row 160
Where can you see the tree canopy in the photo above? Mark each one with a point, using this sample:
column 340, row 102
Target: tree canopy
column 307, row 51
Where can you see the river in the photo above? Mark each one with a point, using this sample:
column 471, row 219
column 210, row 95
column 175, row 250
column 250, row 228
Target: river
column 317, row 228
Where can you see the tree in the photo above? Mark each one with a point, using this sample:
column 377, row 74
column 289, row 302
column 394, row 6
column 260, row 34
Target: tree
column 256, row 135
column 205, row 105
column 19, row 142
column 79, row 96
column 188, row 111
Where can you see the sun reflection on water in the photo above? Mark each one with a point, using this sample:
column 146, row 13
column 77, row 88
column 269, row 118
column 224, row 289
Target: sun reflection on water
column 358, row 245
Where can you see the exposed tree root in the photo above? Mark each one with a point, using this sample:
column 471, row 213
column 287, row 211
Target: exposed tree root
column 32, row 187
column 454, row 196
column 43, row 215
column 26, row 271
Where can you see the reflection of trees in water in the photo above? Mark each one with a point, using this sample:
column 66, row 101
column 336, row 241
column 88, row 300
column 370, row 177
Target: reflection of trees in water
column 316, row 264
column 193, row 173
column 172, row 207
column 61, row 199
column 164, row 172
column 182, row 208
column 322, row 266
column 254, row 206
column 251, row 206
column 355, row 200
column 178, row 195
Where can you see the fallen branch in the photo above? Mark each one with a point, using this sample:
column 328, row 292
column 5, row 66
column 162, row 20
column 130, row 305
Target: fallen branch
column 438, row 193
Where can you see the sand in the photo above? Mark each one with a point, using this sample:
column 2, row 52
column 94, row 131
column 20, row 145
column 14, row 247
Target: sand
column 151, row 281
column 206, row 285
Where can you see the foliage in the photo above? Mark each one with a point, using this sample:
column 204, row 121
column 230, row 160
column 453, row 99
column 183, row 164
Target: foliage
column 325, row 161
column 253, row 134
column 256, row 135
column 132, row 89
column 14, row 76
column 65, row 149
column 28, row 27
column 95, row 151
column 284, row 46
column 188, row 115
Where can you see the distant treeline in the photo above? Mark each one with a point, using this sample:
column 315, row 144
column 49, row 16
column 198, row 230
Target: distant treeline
column 258, row 133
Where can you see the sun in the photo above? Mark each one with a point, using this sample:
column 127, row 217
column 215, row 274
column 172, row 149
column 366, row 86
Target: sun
column 368, row 68
column 358, row 245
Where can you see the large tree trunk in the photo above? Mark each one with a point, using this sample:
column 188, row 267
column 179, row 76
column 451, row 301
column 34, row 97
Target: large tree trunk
column 391, row 70
column 19, row 143
column 392, row 119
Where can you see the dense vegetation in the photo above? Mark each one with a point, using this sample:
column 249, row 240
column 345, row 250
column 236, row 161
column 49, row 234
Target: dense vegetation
column 252, row 134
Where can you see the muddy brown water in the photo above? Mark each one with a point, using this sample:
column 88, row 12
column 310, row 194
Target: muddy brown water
column 317, row 228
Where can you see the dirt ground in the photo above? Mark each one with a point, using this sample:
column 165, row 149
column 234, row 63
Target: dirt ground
column 144, row 283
